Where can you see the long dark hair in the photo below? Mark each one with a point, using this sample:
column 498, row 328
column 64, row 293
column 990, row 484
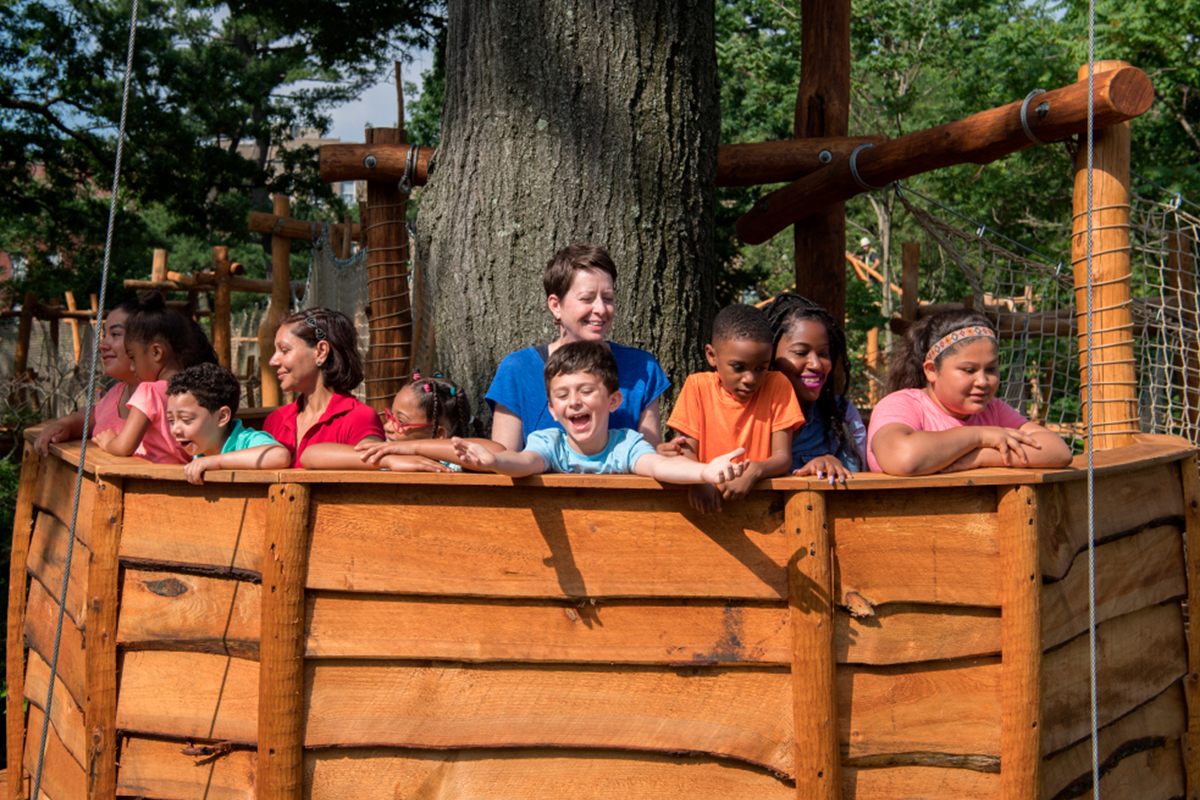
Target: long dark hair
column 151, row 320
column 342, row 369
column 908, row 357
column 784, row 311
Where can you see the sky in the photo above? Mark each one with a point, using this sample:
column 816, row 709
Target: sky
column 377, row 105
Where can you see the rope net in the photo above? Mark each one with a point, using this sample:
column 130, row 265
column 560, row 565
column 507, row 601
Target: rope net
column 1031, row 298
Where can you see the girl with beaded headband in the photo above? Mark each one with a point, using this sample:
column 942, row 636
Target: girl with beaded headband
column 427, row 412
column 809, row 347
column 942, row 414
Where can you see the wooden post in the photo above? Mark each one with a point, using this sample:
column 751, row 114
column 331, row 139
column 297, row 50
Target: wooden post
column 76, row 342
column 823, row 109
column 814, row 668
column 910, row 253
column 158, row 271
column 348, row 237
column 281, row 654
column 1190, row 469
column 1020, row 641
column 31, row 468
column 250, row 365
column 281, row 248
column 100, row 707
column 1181, row 281
column 1114, row 386
column 222, row 311
column 21, row 355
column 390, row 311
column 873, row 366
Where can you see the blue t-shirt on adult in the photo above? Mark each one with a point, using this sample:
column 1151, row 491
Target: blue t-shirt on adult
column 520, row 386
column 620, row 455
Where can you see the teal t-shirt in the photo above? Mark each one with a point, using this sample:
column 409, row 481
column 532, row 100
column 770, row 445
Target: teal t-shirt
column 243, row 438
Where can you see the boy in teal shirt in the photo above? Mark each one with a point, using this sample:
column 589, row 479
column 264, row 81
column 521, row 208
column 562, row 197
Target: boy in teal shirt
column 201, row 402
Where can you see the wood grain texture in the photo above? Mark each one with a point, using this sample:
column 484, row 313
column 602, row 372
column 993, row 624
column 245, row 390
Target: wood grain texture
column 922, row 546
column 904, row 633
column 1155, row 774
column 56, row 493
column 40, row 622
column 1138, row 656
column 158, row 768
column 281, row 681
column 544, row 543
column 100, row 657
column 951, row 707
column 22, row 534
column 813, row 663
column 1124, row 504
column 181, row 524
column 66, row 717
column 1021, row 526
column 1162, row 719
column 176, row 610
column 47, row 559
column 1190, row 475
column 889, row 783
column 1131, row 573
column 62, row 776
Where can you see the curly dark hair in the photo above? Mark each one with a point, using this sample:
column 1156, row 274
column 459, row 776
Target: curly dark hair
column 443, row 401
column 152, row 321
column 784, row 311
column 343, row 368
column 212, row 385
column 741, row 323
column 908, row 358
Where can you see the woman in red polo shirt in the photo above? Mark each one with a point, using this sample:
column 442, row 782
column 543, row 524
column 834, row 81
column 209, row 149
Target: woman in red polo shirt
column 316, row 354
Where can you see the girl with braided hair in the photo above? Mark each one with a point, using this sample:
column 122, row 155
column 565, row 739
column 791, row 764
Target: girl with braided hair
column 808, row 348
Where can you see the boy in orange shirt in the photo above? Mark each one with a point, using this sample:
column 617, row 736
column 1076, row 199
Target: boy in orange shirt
column 742, row 404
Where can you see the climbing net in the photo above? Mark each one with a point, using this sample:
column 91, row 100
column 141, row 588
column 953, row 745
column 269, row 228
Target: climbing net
column 1031, row 297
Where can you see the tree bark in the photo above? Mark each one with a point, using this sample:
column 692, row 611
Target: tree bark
column 567, row 122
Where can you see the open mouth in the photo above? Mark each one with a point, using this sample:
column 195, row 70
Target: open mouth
column 580, row 422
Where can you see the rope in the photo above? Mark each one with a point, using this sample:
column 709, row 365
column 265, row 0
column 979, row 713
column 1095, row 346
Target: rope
column 1091, row 432
column 91, row 395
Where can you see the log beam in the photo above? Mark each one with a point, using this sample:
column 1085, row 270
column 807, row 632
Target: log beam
column 375, row 161
column 282, row 225
column 100, row 706
column 1119, row 96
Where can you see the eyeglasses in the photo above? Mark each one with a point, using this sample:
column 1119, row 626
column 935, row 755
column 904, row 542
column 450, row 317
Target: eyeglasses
column 403, row 427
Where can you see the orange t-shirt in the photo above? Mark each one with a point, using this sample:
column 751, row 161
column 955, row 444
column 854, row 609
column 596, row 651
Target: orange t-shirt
column 719, row 422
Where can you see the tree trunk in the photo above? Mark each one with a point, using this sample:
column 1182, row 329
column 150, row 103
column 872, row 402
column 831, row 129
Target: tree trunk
column 565, row 122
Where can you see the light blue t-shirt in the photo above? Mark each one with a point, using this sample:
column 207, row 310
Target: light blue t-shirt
column 243, row 438
column 624, row 448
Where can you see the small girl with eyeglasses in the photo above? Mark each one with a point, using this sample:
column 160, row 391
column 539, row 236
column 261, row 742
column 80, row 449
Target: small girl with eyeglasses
column 426, row 413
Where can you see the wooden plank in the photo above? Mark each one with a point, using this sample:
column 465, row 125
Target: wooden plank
column 56, row 494
column 189, row 695
column 66, row 717
column 1155, row 774
column 1124, row 504
column 175, row 610
column 100, row 657
column 951, row 708
column 889, row 783
column 63, row 778
column 922, row 546
column 40, row 623
column 1161, row 720
column 157, row 768
column 181, row 524
column 903, row 633
column 1190, row 475
column 545, row 543
column 281, row 666
column 1138, row 656
column 1021, row 526
column 23, row 513
column 47, row 559
column 813, row 664
column 1131, row 573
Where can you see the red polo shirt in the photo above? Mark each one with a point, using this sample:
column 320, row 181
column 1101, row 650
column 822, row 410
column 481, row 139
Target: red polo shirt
column 345, row 421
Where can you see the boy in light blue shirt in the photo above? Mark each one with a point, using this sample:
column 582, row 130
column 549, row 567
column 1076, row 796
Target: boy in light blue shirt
column 581, row 381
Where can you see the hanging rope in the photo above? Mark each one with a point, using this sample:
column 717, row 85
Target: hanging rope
column 91, row 395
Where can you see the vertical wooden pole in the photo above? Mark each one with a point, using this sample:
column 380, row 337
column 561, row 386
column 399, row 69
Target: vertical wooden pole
column 1114, row 386
column 158, row 270
column 814, row 669
column 250, row 365
column 1020, row 642
column 281, row 653
column 823, row 109
column 76, row 342
column 390, row 314
column 873, row 365
column 24, row 333
column 100, row 657
column 1190, row 469
column 348, row 237
column 281, row 248
column 911, row 256
column 31, row 469
column 222, row 310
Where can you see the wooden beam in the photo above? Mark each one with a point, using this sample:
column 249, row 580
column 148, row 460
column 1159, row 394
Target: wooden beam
column 283, row 225
column 158, row 270
column 1119, row 96
column 911, row 255
column 814, row 676
column 76, row 343
column 1190, row 473
column 100, row 707
column 350, row 162
column 281, row 654
column 1114, row 383
column 31, row 468
column 222, row 322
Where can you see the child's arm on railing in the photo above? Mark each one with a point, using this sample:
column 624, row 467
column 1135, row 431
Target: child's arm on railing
column 265, row 456
column 328, row 455
column 127, row 441
column 505, row 462
column 1048, row 451
column 60, row 430
column 684, row 470
column 371, row 452
column 778, row 463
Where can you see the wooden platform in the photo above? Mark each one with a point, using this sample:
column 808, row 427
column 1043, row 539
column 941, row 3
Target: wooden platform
column 327, row 635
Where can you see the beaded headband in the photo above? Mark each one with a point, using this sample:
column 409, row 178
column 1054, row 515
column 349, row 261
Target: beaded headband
column 312, row 323
column 957, row 336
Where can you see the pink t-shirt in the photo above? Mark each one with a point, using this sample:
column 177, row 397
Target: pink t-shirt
column 345, row 421
column 158, row 445
column 914, row 408
column 106, row 416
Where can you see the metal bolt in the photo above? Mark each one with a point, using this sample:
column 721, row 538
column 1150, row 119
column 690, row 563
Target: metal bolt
column 825, row 156
column 1042, row 110
column 369, row 162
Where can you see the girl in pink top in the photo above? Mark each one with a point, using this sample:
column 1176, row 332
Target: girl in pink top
column 159, row 342
column 110, row 411
column 941, row 413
